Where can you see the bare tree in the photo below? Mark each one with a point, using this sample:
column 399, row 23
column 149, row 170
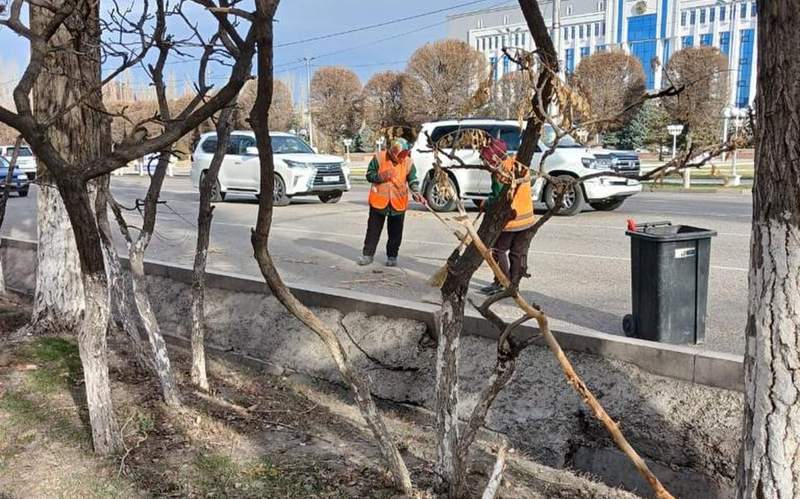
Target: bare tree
column 702, row 72
column 209, row 189
column 260, row 239
column 389, row 100
column 449, row 73
column 770, row 461
column 611, row 81
column 336, row 104
column 73, row 108
column 281, row 114
column 511, row 97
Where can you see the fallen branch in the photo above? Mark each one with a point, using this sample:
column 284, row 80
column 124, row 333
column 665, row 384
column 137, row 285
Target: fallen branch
column 497, row 473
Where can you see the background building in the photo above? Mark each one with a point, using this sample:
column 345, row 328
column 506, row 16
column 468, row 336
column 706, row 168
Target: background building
column 644, row 28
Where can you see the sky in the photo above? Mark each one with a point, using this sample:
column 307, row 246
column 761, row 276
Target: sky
column 366, row 52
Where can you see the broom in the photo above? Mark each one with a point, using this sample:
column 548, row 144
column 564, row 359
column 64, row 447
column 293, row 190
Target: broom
column 437, row 279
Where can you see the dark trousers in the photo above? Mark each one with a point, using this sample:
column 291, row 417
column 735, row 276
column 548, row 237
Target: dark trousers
column 374, row 229
column 511, row 253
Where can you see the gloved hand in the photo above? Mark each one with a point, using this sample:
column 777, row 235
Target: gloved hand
column 419, row 198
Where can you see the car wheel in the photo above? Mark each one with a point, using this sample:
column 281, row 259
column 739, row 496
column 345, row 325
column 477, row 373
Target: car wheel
column 217, row 195
column 331, row 197
column 279, row 196
column 609, row 205
column 438, row 199
column 23, row 193
column 573, row 201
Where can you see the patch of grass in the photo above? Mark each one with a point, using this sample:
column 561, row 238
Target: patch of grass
column 221, row 477
column 58, row 361
column 26, row 414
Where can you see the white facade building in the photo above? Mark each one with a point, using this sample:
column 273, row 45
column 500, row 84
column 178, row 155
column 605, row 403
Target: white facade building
column 644, row 28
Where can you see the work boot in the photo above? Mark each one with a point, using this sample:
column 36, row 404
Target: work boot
column 365, row 260
column 391, row 261
column 491, row 289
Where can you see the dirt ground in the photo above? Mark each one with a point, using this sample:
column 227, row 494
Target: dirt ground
column 255, row 435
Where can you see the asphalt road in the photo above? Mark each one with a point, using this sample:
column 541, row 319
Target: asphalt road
column 580, row 265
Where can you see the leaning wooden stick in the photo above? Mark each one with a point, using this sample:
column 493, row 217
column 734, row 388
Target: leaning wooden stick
column 437, row 279
column 572, row 377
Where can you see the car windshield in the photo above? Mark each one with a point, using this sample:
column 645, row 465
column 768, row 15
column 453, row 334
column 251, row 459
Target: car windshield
column 3, row 163
column 549, row 135
column 24, row 152
column 285, row 144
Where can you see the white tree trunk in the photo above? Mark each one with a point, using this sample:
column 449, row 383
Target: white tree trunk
column 58, row 301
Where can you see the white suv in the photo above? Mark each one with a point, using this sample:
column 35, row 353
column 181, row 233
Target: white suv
column 570, row 159
column 299, row 171
column 26, row 161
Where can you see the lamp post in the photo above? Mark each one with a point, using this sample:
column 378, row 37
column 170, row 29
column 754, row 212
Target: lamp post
column 676, row 130
column 347, row 144
column 736, row 115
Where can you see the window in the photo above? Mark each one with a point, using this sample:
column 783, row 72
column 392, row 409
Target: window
column 601, row 6
column 596, row 29
column 569, row 61
column 722, row 12
column 683, row 18
column 745, row 68
column 480, row 23
column 237, row 145
column 289, row 144
column 483, row 43
column 642, row 42
column 569, row 9
column 702, row 16
column 692, row 17
column 584, row 52
column 511, row 136
column 706, row 39
column 711, row 13
column 580, row 31
column 493, row 64
column 725, row 42
column 743, row 12
column 505, row 65
column 566, row 33
column 753, row 9
column 24, row 152
column 687, row 41
column 522, row 37
column 600, row 48
column 516, row 39
column 603, row 28
column 505, row 19
column 572, row 32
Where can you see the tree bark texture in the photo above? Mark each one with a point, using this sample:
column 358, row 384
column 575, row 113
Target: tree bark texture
column 259, row 118
column 71, row 72
column 770, row 461
column 204, row 216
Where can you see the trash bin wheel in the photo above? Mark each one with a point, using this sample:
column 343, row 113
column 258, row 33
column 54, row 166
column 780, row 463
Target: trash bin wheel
column 628, row 326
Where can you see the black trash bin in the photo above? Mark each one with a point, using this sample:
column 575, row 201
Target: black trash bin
column 669, row 281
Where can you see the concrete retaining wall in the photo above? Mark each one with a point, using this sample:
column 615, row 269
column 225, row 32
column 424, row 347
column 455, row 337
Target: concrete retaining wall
column 688, row 432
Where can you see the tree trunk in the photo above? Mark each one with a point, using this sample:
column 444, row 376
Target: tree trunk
column 80, row 135
column 259, row 119
column 204, row 216
column 770, row 463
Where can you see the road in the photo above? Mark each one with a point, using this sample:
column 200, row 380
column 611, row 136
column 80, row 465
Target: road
column 580, row 265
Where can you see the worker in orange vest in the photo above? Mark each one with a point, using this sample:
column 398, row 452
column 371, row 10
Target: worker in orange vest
column 391, row 174
column 511, row 248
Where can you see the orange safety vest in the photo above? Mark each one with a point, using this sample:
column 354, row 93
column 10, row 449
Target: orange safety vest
column 395, row 190
column 522, row 203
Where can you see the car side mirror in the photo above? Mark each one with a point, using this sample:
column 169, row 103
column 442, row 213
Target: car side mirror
column 251, row 151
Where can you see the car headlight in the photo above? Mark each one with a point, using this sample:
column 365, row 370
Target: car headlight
column 22, row 176
column 590, row 163
column 296, row 164
column 603, row 163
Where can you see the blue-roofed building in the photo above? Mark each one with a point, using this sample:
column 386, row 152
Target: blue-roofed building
column 647, row 29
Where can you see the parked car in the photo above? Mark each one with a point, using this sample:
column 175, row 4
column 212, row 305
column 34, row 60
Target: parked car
column 299, row 170
column 26, row 161
column 570, row 159
column 147, row 164
column 19, row 179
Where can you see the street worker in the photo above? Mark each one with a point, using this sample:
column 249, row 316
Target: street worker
column 391, row 174
column 510, row 250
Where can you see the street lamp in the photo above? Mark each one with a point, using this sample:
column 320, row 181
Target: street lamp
column 676, row 130
column 347, row 144
column 735, row 114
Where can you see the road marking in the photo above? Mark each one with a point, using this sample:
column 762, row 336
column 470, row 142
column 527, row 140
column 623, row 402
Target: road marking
column 454, row 244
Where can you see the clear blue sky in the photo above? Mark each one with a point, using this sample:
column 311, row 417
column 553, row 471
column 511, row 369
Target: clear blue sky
column 364, row 51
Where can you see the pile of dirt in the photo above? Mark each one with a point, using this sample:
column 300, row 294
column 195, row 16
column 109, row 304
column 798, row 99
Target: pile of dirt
column 255, row 435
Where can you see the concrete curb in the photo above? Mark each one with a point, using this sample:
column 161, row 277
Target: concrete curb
column 680, row 362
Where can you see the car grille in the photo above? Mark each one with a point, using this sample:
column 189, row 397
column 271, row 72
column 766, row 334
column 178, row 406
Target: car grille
column 326, row 173
column 628, row 167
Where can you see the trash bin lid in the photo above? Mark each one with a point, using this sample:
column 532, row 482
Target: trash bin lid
column 666, row 232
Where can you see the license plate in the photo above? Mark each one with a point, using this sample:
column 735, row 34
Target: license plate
column 330, row 178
